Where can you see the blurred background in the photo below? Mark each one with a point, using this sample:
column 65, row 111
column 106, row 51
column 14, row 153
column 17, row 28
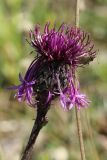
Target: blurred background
column 58, row 140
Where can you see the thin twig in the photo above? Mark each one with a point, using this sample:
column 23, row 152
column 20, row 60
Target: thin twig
column 77, row 13
column 78, row 119
column 79, row 128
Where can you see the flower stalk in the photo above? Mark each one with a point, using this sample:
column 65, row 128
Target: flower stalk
column 40, row 121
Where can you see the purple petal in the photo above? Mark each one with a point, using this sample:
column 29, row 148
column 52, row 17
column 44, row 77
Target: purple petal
column 13, row 87
column 49, row 97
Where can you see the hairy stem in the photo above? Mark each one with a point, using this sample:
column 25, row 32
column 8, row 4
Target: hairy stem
column 40, row 121
column 78, row 118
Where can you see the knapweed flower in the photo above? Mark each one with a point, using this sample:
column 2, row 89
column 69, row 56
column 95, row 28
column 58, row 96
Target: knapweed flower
column 52, row 72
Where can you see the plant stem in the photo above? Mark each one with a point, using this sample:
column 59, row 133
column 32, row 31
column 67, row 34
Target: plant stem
column 40, row 121
column 79, row 129
column 77, row 13
column 78, row 118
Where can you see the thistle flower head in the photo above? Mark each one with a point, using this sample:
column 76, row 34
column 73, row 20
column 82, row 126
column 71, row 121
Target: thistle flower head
column 69, row 45
column 59, row 52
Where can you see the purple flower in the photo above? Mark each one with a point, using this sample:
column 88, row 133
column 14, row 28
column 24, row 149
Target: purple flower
column 67, row 44
column 52, row 72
